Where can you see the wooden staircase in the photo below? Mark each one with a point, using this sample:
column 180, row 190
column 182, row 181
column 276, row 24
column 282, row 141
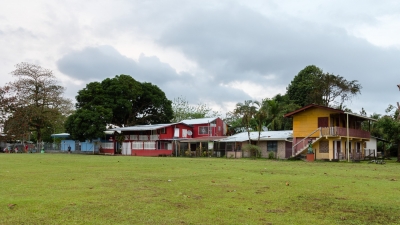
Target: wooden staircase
column 305, row 140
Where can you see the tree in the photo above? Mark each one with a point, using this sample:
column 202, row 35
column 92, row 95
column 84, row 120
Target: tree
column 37, row 100
column 246, row 111
column 390, row 126
column 152, row 106
column 183, row 110
column 261, row 117
column 278, row 106
column 334, row 90
column 118, row 94
column 302, row 85
column 235, row 123
column 6, row 105
column 88, row 123
column 121, row 101
column 312, row 85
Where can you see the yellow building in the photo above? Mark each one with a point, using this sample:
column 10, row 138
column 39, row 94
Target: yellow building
column 333, row 134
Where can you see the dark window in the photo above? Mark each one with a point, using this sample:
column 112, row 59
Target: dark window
column 272, row 146
column 323, row 121
column 203, row 130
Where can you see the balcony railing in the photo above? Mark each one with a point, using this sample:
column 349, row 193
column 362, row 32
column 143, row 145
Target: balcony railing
column 342, row 131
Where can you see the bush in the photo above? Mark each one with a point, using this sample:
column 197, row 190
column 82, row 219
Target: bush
column 271, row 155
column 254, row 150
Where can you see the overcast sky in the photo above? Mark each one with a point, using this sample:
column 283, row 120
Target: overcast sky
column 215, row 52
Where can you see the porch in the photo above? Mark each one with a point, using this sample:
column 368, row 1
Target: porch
column 342, row 132
column 300, row 144
column 147, row 148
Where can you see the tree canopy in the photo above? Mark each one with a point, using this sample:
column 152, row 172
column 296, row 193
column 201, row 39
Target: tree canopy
column 121, row 101
column 389, row 126
column 34, row 101
column 312, row 85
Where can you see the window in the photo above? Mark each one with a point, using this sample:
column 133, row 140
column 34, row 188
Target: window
column 324, row 147
column 184, row 133
column 162, row 131
column 272, row 146
column 203, row 130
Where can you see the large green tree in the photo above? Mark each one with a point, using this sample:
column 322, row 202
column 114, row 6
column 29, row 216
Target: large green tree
column 312, row 85
column 390, row 127
column 37, row 100
column 152, row 106
column 302, row 85
column 121, row 101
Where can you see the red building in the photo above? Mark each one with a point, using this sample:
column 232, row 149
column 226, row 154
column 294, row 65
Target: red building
column 163, row 139
column 151, row 140
column 207, row 127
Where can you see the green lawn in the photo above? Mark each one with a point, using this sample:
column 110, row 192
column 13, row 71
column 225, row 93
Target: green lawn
column 93, row 189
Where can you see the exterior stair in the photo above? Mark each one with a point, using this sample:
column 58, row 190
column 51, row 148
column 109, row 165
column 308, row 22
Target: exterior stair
column 305, row 146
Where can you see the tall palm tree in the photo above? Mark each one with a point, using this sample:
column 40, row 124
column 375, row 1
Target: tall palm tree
column 261, row 116
column 246, row 112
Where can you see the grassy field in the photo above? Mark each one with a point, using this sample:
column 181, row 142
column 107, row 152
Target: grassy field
column 92, row 189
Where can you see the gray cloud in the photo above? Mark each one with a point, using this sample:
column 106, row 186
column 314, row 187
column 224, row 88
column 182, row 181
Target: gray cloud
column 98, row 63
column 230, row 43
column 241, row 42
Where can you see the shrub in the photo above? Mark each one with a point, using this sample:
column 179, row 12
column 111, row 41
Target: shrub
column 254, row 150
column 271, row 155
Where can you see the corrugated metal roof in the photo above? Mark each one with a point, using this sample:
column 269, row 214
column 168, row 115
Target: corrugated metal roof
column 199, row 121
column 264, row 136
column 204, row 139
column 61, row 135
column 142, row 127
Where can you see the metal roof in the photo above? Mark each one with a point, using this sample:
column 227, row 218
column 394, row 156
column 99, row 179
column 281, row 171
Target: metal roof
column 264, row 136
column 204, row 139
column 327, row 108
column 199, row 121
column 142, row 127
column 61, row 135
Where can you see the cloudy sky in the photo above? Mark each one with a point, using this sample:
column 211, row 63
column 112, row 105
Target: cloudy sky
column 215, row 52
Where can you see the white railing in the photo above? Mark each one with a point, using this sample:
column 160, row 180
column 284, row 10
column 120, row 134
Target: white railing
column 143, row 138
column 303, row 141
column 154, row 137
column 107, row 145
column 149, row 145
column 133, row 137
column 137, row 145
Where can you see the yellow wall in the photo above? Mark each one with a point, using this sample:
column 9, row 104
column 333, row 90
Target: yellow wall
column 330, row 155
column 307, row 121
column 319, row 155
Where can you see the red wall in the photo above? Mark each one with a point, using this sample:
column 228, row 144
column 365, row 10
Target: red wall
column 151, row 152
column 218, row 130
